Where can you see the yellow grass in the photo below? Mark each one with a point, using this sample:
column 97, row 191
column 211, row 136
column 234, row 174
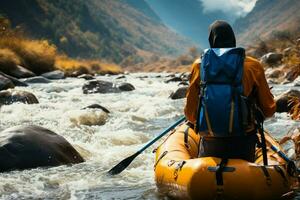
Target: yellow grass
column 36, row 55
column 8, row 60
column 70, row 65
column 40, row 56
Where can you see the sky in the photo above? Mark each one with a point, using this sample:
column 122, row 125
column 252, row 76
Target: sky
column 234, row 8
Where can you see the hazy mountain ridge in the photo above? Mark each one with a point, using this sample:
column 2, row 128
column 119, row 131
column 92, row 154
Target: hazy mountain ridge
column 142, row 6
column 114, row 30
column 187, row 17
column 268, row 17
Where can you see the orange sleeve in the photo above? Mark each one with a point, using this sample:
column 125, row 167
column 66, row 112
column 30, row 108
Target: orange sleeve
column 192, row 95
column 265, row 98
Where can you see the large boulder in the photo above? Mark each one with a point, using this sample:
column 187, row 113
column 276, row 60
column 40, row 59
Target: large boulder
column 86, row 76
column 5, row 83
column 272, row 58
column 26, row 147
column 126, row 87
column 293, row 73
column 10, row 64
column 174, row 79
column 121, row 77
column 15, row 81
column 282, row 101
column 179, row 93
column 88, row 117
column 96, row 106
column 276, row 73
column 8, row 97
column 20, row 72
column 54, row 75
column 98, row 86
column 36, row 79
column 80, row 71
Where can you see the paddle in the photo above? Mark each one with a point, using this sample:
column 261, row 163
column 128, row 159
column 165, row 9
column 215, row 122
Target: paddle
column 277, row 150
column 124, row 163
column 292, row 169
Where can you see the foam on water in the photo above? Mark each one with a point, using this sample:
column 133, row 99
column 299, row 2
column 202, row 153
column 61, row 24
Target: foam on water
column 135, row 118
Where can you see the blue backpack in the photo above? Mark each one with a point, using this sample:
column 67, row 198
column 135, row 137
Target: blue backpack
column 220, row 113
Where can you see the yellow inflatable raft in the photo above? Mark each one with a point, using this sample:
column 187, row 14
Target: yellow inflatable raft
column 181, row 175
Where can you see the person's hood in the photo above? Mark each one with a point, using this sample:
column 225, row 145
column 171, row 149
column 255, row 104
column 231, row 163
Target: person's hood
column 221, row 35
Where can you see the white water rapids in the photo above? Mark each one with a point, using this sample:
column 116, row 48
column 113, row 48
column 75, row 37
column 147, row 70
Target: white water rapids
column 135, row 118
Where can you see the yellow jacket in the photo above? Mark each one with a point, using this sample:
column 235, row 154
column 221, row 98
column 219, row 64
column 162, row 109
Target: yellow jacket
column 253, row 76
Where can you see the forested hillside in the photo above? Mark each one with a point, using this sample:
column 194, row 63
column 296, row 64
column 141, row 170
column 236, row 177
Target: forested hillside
column 114, row 30
column 269, row 18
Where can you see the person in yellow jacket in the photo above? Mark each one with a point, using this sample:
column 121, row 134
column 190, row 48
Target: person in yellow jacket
column 221, row 35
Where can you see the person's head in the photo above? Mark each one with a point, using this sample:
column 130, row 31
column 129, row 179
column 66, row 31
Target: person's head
column 221, row 35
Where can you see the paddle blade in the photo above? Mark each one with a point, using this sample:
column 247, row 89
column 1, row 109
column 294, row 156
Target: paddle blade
column 123, row 164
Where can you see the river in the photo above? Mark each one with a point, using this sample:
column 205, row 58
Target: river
column 135, row 118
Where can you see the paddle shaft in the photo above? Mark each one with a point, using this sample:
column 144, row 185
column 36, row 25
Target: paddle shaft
column 277, row 150
column 126, row 162
column 162, row 134
column 281, row 154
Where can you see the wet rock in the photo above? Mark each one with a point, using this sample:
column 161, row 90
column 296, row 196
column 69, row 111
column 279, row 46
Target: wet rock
column 273, row 81
column 97, row 106
column 293, row 73
column 20, row 72
column 174, row 79
column 78, row 72
column 54, row 75
column 15, row 81
column 297, row 81
column 26, row 147
column 36, row 79
column 98, row 86
column 86, row 76
column 282, row 101
column 276, row 73
column 271, row 58
column 179, row 93
column 121, row 77
column 170, row 76
column 9, row 64
column 287, row 51
column 284, row 82
column 185, row 76
column 298, row 42
column 126, row 87
column 142, row 77
column 183, row 83
column 89, row 117
column 8, row 97
column 5, row 83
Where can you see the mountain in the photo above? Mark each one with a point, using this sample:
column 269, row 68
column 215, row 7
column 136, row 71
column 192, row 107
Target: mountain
column 267, row 18
column 143, row 6
column 113, row 30
column 188, row 17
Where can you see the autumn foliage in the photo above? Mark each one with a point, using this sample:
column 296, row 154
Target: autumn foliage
column 41, row 56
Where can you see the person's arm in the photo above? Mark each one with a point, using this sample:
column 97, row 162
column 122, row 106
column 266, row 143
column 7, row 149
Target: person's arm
column 265, row 98
column 192, row 95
